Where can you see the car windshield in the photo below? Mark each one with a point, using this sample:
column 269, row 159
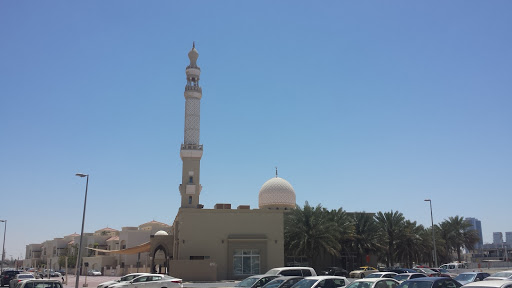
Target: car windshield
column 128, row 277
column 247, row 282
column 443, row 270
column 502, row 274
column 274, row 283
column 305, row 283
column 360, row 284
column 415, row 284
column 401, row 277
column 465, row 277
column 25, row 276
column 374, row 275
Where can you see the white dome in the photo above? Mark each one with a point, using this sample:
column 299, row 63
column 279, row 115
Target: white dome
column 277, row 193
column 161, row 233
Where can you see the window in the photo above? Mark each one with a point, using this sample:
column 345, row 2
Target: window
column 189, row 199
column 190, row 180
column 246, row 261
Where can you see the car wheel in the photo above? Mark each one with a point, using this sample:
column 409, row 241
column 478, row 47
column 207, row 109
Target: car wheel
column 362, row 275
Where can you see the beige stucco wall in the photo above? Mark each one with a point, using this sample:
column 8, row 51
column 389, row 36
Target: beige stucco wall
column 215, row 233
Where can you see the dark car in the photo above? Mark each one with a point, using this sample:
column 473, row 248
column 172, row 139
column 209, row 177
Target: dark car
column 430, row 282
column 256, row 281
column 334, row 271
column 283, row 282
column 7, row 275
column 398, row 270
column 468, row 277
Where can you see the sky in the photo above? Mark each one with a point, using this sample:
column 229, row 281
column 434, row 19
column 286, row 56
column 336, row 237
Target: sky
column 362, row 105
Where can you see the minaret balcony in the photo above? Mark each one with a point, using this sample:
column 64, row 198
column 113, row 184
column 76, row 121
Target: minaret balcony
column 193, row 88
column 191, row 151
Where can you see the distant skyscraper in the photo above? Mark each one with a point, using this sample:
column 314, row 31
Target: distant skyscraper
column 477, row 225
column 497, row 238
column 508, row 239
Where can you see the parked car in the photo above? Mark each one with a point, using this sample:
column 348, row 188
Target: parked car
column 430, row 282
column 62, row 272
column 93, row 273
column 427, row 271
column 125, row 278
column 503, row 275
column 398, row 270
column 454, row 267
column 373, row 283
column 381, row 275
column 37, row 283
column 45, row 273
column 292, row 271
column 444, row 272
column 322, row 282
column 151, row 281
column 334, row 271
column 283, row 282
column 406, row 276
column 362, row 272
column 20, row 277
column 490, row 284
column 7, row 276
column 468, row 277
column 256, row 281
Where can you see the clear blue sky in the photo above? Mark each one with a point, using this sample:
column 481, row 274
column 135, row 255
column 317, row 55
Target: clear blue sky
column 366, row 105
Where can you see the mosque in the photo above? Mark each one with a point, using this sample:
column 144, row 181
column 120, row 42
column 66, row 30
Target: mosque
column 202, row 244
column 223, row 242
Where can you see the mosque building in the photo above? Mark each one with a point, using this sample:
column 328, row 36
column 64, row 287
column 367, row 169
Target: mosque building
column 202, row 244
column 223, row 242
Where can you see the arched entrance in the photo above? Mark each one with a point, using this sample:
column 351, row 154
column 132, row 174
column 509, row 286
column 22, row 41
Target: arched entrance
column 160, row 261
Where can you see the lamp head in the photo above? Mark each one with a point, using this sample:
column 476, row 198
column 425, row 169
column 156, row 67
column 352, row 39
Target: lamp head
column 81, row 175
column 428, row 200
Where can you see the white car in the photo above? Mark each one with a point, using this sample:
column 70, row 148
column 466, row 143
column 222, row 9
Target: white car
column 151, row 281
column 363, row 272
column 322, row 281
column 125, row 278
column 20, row 277
column 93, row 273
column 490, row 284
column 381, row 275
column 374, row 283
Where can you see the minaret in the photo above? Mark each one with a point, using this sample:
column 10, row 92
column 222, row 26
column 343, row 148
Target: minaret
column 191, row 151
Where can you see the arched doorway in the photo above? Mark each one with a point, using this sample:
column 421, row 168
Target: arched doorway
column 160, row 261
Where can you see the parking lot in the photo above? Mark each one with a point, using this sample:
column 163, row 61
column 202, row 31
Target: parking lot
column 93, row 281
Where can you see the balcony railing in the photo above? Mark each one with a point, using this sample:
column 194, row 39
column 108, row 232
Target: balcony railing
column 191, row 147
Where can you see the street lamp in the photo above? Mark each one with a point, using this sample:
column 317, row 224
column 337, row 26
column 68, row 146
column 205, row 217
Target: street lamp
column 3, row 246
column 433, row 235
column 79, row 260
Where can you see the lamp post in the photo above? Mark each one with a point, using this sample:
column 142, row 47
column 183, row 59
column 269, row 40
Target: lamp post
column 3, row 247
column 79, row 260
column 433, row 235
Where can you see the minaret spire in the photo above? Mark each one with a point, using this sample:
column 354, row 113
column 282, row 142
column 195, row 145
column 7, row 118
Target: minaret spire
column 191, row 151
column 276, row 171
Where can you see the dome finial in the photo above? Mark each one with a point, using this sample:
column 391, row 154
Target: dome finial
column 193, row 44
column 276, row 171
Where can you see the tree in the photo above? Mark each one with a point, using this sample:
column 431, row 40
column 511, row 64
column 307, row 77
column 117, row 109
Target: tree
column 390, row 225
column 410, row 245
column 365, row 238
column 459, row 235
column 309, row 230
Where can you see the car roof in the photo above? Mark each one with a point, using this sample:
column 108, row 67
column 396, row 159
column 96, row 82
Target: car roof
column 373, row 280
column 325, row 277
column 285, row 277
column 428, row 279
column 488, row 283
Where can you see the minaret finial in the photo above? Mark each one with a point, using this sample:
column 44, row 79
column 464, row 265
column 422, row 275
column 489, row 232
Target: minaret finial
column 276, row 171
column 193, row 44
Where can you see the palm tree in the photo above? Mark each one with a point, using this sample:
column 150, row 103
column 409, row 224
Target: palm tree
column 391, row 225
column 461, row 236
column 410, row 245
column 365, row 238
column 309, row 231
